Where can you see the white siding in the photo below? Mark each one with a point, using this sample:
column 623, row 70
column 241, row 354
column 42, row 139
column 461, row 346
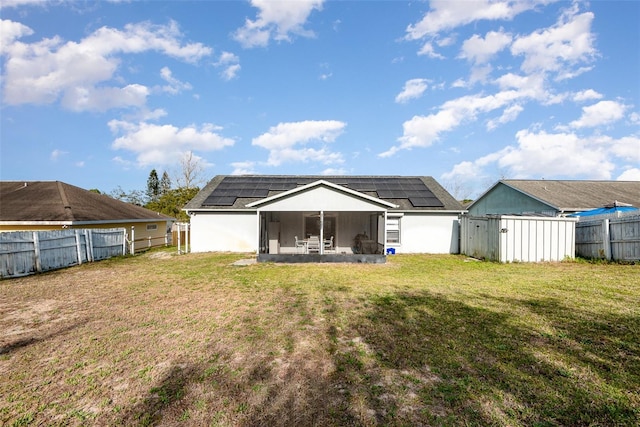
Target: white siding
column 321, row 199
column 224, row 232
column 428, row 233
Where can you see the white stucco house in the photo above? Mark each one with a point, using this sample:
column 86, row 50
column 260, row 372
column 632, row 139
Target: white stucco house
column 324, row 218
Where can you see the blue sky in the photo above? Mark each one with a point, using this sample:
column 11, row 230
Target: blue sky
column 96, row 94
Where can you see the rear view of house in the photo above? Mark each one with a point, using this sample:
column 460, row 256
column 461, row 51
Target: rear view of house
column 279, row 217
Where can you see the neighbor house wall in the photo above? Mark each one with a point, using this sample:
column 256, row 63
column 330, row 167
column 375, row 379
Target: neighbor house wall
column 224, row 232
column 503, row 199
column 428, row 233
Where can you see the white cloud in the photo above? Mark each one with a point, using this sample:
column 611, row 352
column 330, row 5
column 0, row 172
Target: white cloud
column 413, row 89
column 9, row 32
column 46, row 71
column 586, row 95
column 602, row 113
column 229, row 63
column 447, row 14
column 276, row 20
column 18, row 3
column 163, row 144
column 287, row 142
column 243, row 168
column 56, row 154
column 175, row 86
column 427, row 49
column 632, row 174
column 559, row 47
column 542, row 154
column 479, row 50
column 508, row 115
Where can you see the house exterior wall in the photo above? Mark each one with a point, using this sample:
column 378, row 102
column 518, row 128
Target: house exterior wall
column 504, row 200
column 321, row 199
column 224, row 232
column 428, row 233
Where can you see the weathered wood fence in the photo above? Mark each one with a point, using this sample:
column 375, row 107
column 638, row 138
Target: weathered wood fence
column 609, row 238
column 28, row 252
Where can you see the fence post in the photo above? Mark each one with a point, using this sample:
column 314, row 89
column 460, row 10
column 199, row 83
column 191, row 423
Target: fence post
column 133, row 240
column 606, row 239
column 179, row 232
column 88, row 239
column 187, row 248
column 78, row 247
column 36, row 250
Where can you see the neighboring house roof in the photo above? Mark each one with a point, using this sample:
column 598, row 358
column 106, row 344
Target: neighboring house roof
column 55, row 201
column 406, row 193
column 576, row 196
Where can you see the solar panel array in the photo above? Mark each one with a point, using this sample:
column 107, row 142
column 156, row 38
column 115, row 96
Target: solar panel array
column 233, row 187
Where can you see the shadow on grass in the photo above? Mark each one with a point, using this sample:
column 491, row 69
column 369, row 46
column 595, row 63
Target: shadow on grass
column 466, row 365
column 12, row 346
column 417, row 359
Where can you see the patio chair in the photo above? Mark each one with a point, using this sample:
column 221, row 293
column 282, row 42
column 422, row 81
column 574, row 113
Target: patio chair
column 301, row 244
column 328, row 246
column 313, row 244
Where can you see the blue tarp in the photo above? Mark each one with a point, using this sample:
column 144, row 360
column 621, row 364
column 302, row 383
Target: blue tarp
column 604, row 211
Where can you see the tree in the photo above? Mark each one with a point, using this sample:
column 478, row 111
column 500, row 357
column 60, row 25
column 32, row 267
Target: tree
column 135, row 197
column 172, row 202
column 191, row 170
column 165, row 183
column 153, row 186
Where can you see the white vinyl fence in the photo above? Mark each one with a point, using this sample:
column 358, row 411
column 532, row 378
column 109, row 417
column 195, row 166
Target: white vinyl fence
column 610, row 238
column 29, row 252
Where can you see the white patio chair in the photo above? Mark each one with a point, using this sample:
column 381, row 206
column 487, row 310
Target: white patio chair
column 301, row 244
column 313, row 244
column 328, row 246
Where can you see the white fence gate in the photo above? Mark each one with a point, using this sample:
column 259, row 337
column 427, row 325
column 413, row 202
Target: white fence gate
column 610, row 238
column 29, row 252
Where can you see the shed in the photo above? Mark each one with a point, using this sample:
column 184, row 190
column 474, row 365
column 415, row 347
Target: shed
column 513, row 238
column 280, row 217
column 55, row 205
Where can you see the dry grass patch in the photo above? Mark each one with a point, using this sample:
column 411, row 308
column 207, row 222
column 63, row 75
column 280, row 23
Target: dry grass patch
column 160, row 339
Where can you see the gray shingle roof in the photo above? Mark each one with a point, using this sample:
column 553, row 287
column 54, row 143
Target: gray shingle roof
column 375, row 186
column 58, row 201
column 569, row 195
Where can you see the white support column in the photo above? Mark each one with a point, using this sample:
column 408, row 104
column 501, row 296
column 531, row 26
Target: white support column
column 258, row 232
column 187, row 247
column 133, row 240
column 321, row 232
column 606, row 239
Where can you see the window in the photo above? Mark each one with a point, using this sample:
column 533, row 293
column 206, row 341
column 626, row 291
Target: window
column 152, row 227
column 393, row 230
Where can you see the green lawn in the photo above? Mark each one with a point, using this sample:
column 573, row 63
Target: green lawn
column 421, row 340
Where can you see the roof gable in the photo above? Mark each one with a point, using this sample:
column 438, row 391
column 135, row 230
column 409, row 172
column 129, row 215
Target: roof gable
column 58, row 201
column 397, row 192
column 321, row 195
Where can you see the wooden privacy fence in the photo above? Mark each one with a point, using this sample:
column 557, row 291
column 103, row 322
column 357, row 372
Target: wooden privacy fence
column 610, row 238
column 29, row 252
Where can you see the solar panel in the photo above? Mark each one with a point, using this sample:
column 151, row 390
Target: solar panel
column 425, row 202
column 219, row 201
